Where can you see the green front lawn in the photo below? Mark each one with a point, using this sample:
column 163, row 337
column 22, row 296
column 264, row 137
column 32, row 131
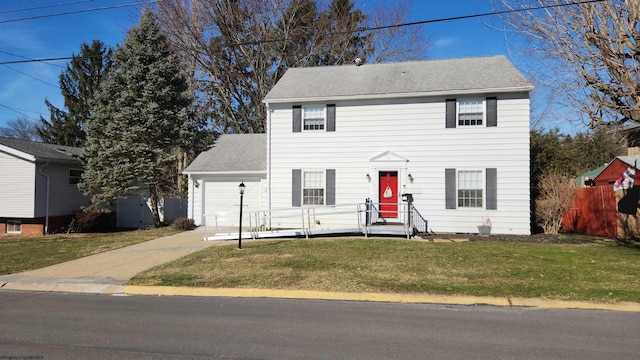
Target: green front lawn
column 19, row 254
column 604, row 272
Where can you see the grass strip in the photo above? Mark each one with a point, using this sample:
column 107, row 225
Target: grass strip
column 28, row 253
column 604, row 272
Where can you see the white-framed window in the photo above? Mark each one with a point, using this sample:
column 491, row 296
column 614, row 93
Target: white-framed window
column 14, row 226
column 313, row 188
column 470, row 187
column 313, row 117
column 75, row 176
column 470, row 112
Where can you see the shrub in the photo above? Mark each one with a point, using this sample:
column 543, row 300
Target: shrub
column 556, row 197
column 183, row 223
column 92, row 220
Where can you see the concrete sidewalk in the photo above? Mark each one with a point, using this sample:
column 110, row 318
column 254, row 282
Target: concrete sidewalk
column 107, row 272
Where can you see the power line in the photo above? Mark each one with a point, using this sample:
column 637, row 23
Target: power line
column 24, row 57
column 18, row 112
column 375, row 28
column 44, row 6
column 31, row 76
column 463, row 17
column 79, row 11
column 35, row 60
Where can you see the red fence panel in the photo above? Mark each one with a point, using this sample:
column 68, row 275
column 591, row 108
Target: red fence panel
column 593, row 212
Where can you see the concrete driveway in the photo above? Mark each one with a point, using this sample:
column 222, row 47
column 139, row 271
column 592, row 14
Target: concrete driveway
column 108, row 272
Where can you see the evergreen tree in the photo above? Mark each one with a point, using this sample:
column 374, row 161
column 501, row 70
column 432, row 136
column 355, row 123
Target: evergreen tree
column 78, row 84
column 140, row 113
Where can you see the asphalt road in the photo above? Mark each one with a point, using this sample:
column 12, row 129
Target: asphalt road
column 73, row 326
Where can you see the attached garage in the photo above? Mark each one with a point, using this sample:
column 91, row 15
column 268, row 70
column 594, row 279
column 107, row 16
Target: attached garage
column 214, row 177
column 222, row 200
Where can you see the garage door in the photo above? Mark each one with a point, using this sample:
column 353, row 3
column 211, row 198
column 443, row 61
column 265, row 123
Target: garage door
column 222, row 201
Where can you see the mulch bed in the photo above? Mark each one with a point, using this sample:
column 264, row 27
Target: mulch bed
column 535, row 238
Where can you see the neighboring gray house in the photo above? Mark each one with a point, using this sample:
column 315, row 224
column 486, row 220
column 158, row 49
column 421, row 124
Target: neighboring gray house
column 38, row 186
column 214, row 177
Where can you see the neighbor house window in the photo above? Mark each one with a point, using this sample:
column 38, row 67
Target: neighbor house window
column 469, row 188
column 14, row 227
column 75, row 176
column 313, row 117
column 470, row 112
column 313, row 188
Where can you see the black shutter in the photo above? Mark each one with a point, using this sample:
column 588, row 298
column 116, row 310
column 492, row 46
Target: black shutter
column 296, row 187
column 492, row 111
column 450, row 188
column 331, row 117
column 297, row 118
column 492, row 189
column 451, row 113
column 331, row 187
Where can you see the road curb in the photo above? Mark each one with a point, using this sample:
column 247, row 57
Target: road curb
column 375, row 297
column 89, row 288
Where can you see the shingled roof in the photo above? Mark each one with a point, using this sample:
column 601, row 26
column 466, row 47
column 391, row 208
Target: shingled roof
column 43, row 152
column 233, row 153
column 493, row 74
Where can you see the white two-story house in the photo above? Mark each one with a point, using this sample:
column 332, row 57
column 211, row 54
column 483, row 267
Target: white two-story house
column 452, row 133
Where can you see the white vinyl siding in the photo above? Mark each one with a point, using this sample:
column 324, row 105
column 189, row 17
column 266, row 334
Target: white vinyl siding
column 17, row 196
column 413, row 129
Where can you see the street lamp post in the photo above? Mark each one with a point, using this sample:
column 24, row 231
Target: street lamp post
column 241, row 187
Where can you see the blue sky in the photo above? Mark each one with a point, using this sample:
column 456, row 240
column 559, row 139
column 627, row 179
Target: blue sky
column 24, row 87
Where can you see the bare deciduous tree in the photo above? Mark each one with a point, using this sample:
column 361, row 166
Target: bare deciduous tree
column 237, row 50
column 588, row 53
column 21, row 128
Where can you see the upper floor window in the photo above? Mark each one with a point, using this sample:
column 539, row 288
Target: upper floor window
column 470, row 112
column 75, row 176
column 313, row 117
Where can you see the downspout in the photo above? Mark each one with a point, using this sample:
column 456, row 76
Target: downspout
column 269, row 165
column 46, row 206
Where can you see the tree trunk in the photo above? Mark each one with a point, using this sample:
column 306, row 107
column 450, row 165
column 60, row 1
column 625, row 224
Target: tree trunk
column 154, row 197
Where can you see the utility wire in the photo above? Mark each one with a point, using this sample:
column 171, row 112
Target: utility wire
column 16, row 111
column 44, row 6
column 79, row 11
column 26, row 58
column 493, row 13
column 375, row 28
column 30, row 76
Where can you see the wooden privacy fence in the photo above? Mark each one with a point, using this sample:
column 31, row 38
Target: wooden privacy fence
column 601, row 211
column 593, row 212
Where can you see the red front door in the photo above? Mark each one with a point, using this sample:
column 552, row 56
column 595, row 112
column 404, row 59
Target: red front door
column 388, row 193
